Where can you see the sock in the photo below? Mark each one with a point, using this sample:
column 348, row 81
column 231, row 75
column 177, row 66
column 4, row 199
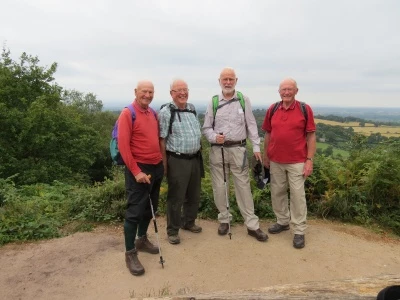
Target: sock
column 130, row 234
column 143, row 226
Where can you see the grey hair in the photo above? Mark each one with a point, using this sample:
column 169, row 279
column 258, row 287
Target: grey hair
column 175, row 81
column 289, row 79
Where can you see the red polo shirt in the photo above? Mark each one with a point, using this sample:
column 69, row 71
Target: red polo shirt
column 140, row 142
column 288, row 128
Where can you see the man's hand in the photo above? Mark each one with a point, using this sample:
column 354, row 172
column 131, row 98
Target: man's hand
column 165, row 164
column 220, row 138
column 142, row 178
column 266, row 162
column 308, row 168
column 257, row 155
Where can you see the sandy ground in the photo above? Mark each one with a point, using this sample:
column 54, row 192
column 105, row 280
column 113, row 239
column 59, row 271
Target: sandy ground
column 91, row 265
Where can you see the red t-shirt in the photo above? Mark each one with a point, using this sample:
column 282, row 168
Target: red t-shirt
column 139, row 143
column 288, row 128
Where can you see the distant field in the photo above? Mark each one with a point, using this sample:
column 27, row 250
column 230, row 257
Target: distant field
column 336, row 151
column 369, row 128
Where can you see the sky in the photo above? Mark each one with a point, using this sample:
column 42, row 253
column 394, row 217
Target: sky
column 340, row 52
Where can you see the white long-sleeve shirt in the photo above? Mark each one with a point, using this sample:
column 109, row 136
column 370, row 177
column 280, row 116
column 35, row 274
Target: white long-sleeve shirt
column 230, row 119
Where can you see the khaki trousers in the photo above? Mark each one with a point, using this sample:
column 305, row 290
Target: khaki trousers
column 282, row 176
column 233, row 164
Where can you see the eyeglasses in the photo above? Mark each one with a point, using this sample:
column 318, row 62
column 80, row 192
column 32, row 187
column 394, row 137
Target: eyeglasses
column 180, row 91
column 287, row 90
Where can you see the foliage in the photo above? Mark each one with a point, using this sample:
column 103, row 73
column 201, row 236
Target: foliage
column 51, row 134
column 43, row 211
column 363, row 188
column 56, row 174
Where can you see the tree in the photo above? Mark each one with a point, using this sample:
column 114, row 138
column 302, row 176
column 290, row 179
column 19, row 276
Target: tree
column 87, row 103
column 45, row 139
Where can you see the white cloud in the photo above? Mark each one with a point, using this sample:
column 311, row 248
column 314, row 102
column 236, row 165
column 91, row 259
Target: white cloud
column 340, row 52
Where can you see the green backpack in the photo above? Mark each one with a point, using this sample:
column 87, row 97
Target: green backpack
column 215, row 101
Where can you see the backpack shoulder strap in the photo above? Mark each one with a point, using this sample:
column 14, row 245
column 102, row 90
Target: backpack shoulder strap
column 215, row 101
column 132, row 110
column 304, row 110
column 191, row 108
column 241, row 100
column 154, row 112
column 173, row 110
column 274, row 109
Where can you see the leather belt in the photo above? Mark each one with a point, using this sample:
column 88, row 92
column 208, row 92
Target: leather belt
column 232, row 143
column 183, row 155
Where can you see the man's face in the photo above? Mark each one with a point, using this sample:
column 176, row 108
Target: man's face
column 227, row 81
column 144, row 94
column 288, row 91
column 180, row 93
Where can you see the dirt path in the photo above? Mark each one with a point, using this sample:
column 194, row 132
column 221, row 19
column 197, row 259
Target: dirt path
column 91, row 265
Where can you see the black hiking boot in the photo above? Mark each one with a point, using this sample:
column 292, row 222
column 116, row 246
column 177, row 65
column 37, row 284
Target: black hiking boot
column 277, row 228
column 299, row 241
column 258, row 234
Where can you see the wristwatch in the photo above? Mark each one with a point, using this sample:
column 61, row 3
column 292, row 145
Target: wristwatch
column 309, row 158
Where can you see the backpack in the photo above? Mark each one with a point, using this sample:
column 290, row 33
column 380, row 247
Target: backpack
column 114, row 151
column 215, row 106
column 302, row 106
column 189, row 108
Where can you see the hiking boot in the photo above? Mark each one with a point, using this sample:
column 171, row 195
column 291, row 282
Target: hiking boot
column 277, row 228
column 174, row 239
column 223, row 228
column 258, row 234
column 132, row 262
column 143, row 244
column 299, row 241
column 194, row 228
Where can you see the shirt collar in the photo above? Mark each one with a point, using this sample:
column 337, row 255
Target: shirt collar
column 222, row 97
column 141, row 109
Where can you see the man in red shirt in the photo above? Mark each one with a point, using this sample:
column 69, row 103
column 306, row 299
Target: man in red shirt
column 139, row 146
column 289, row 149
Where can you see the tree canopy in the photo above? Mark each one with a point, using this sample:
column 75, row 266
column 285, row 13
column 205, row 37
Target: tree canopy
column 48, row 133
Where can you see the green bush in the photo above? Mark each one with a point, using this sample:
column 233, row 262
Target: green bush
column 363, row 189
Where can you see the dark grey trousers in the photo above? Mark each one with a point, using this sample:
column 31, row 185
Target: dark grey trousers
column 184, row 186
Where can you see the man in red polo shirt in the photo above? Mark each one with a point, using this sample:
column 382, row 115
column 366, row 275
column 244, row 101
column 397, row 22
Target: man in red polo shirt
column 289, row 149
column 139, row 146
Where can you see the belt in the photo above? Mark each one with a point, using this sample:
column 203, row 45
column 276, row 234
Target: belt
column 231, row 143
column 183, row 155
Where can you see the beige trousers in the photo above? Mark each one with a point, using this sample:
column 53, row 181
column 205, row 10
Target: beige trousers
column 233, row 157
column 282, row 176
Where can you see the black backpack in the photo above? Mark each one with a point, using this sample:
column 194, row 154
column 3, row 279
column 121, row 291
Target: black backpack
column 174, row 110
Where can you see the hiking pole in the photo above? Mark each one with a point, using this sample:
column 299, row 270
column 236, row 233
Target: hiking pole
column 162, row 261
column 226, row 191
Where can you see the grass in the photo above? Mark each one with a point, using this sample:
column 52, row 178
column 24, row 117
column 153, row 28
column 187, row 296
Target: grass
column 368, row 129
column 336, row 151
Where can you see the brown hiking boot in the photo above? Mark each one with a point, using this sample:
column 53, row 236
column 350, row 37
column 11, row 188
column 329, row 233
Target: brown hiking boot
column 194, row 228
column 132, row 262
column 144, row 245
column 258, row 234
